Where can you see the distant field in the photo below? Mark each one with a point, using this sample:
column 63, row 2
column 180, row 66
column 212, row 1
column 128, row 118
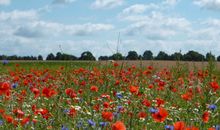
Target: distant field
column 156, row 64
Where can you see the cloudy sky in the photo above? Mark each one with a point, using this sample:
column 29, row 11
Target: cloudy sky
column 33, row 27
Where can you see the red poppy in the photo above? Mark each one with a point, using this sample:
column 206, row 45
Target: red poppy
column 19, row 113
column 180, row 125
column 25, row 120
column 214, row 85
column 72, row 112
column 106, row 104
column 160, row 102
column 161, row 115
column 70, row 92
column 205, row 117
column 36, row 92
column 8, row 118
column 142, row 115
column 94, row 88
column 47, row 92
column 4, row 88
column 118, row 126
column 187, row 96
column 134, row 89
column 146, row 103
column 107, row 116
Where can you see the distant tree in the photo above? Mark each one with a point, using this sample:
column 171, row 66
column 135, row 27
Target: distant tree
column 132, row 55
column 148, row 55
column 87, row 56
column 209, row 57
column 59, row 56
column 40, row 57
column 50, row 57
column 162, row 56
column 116, row 56
column 176, row 56
column 103, row 58
column 218, row 58
column 13, row 57
column 193, row 56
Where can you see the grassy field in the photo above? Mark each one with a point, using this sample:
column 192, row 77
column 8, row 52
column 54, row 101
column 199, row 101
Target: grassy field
column 134, row 95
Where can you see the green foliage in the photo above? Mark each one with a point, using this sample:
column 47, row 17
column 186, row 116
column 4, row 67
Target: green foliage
column 132, row 55
column 87, row 55
column 162, row 56
column 148, row 55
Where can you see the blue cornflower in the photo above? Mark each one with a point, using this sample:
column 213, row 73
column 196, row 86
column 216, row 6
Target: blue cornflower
column 79, row 124
column 14, row 85
column 91, row 123
column 64, row 128
column 103, row 124
column 212, row 107
column 217, row 127
column 119, row 95
column 4, row 62
column 66, row 111
column 1, row 122
column 169, row 127
column 119, row 108
column 153, row 110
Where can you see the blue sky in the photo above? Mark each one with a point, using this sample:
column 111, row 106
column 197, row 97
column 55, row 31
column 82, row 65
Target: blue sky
column 36, row 27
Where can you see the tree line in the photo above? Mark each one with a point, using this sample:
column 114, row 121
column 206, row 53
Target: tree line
column 132, row 55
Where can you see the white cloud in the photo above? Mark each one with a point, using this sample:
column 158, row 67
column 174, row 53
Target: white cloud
column 63, row 1
column 139, row 8
column 105, row 4
column 27, row 24
column 5, row 2
column 156, row 25
column 171, row 2
column 18, row 15
column 208, row 4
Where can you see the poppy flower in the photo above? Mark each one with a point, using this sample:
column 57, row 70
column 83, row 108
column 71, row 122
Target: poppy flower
column 134, row 89
column 205, row 117
column 107, row 116
column 36, row 92
column 214, row 85
column 186, row 96
column 4, row 88
column 160, row 116
column 146, row 103
column 142, row 115
column 8, row 118
column 70, row 92
column 19, row 113
column 25, row 120
column 118, row 126
column 180, row 125
column 47, row 92
column 72, row 112
column 94, row 88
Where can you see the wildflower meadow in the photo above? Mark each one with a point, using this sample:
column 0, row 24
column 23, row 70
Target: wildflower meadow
column 108, row 97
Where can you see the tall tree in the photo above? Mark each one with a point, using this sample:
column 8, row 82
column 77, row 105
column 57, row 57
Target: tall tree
column 162, row 56
column 116, row 56
column 87, row 55
column 193, row 56
column 148, row 55
column 50, row 57
column 132, row 55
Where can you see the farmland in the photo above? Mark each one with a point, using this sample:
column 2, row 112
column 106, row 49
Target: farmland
column 132, row 95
